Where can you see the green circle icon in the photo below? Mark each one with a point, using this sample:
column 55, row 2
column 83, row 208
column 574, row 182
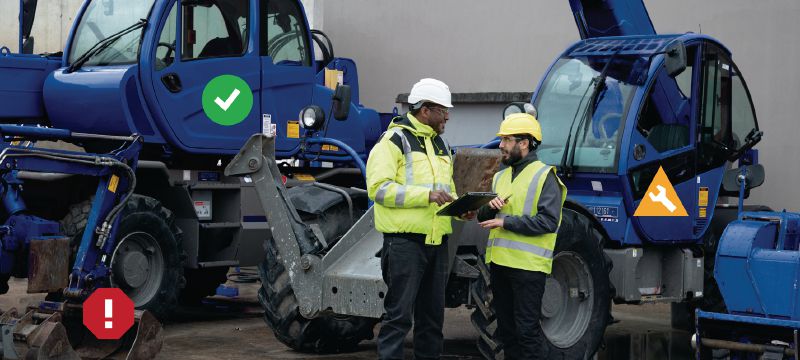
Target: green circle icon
column 227, row 100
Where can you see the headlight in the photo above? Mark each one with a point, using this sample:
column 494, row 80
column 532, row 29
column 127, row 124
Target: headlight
column 312, row 117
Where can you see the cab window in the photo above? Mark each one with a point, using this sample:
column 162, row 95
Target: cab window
column 108, row 28
column 284, row 29
column 665, row 120
column 214, row 28
column 743, row 114
column 564, row 100
column 165, row 52
column 666, row 114
column 727, row 114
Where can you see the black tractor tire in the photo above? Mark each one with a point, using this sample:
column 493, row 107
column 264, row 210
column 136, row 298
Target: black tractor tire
column 573, row 329
column 74, row 222
column 147, row 236
column 326, row 333
column 201, row 283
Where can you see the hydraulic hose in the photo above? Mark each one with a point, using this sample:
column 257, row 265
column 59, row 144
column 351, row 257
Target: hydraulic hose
column 346, row 148
column 93, row 161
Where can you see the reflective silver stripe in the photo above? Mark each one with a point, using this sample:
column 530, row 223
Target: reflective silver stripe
column 532, row 188
column 400, row 197
column 409, row 158
column 437, row 186
column 521, row 246
column 380, row 195
column 494, row 183
column 445, row 187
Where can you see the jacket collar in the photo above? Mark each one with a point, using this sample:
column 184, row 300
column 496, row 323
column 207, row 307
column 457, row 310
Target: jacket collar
column 411, row 123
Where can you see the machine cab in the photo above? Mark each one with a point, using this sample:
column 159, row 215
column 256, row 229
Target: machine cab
column 609, row 141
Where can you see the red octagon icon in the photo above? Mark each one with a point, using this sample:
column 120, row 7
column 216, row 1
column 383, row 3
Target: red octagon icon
column 108, row 313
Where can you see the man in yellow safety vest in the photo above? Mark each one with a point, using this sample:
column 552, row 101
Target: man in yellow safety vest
column 524, row 220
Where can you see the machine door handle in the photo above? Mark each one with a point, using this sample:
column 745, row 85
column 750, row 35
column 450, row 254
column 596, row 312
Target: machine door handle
column 172, row 82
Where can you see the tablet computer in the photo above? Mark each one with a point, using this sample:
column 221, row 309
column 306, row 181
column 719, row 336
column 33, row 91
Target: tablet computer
column 469, row 202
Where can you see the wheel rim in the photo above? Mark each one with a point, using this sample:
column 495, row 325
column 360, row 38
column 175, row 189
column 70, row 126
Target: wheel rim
column 567, row 302
column 137, row 267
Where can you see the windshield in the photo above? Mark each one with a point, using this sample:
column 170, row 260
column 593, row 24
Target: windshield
column 104, row 18
column 564, row 97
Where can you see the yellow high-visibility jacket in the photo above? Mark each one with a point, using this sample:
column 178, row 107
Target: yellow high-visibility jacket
column 409, row 161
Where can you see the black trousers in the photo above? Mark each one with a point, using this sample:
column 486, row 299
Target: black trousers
column 416, row 275
column 518, row 307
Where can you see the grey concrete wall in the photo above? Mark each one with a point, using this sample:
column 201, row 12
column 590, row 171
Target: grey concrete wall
column 53, row 21
column 477, row 46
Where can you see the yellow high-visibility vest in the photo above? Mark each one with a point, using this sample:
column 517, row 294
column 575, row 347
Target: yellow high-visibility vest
column 507, row 248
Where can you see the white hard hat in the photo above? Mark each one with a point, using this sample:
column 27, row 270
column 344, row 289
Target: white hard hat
column 431, row 90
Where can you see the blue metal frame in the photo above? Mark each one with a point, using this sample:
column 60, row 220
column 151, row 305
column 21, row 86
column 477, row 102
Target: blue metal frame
column 743, row 329
column 611, row 18
column 791, row 324
column 90, row 269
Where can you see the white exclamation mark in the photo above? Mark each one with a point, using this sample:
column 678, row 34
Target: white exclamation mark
column 109, row 314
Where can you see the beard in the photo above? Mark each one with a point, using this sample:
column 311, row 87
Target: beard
column 511, row 157
column 438, row 127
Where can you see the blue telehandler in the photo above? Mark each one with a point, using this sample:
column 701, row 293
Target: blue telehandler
column 113, row 151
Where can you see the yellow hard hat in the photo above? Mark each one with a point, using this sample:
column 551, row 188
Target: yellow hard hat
column 521, row 123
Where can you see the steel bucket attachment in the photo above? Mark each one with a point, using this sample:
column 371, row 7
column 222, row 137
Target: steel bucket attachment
column 55, row 331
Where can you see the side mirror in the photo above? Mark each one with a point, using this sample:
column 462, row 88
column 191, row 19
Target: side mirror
column 754, row 178
column 520, row 107
column 675, row 60
column 341, row 102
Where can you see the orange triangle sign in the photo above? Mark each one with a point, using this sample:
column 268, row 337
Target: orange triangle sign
column 660, row 199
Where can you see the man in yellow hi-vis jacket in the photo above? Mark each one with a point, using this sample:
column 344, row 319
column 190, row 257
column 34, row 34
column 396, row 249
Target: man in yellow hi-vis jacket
column 524, row 220
column 409, row 176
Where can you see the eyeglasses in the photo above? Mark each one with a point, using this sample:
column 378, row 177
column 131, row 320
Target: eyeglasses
column 510, row 139
column 443, row 111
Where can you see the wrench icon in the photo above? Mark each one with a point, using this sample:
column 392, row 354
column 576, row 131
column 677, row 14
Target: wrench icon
column 662, row 198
